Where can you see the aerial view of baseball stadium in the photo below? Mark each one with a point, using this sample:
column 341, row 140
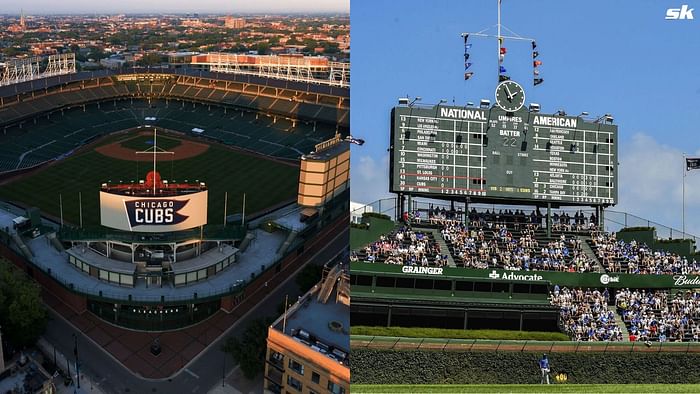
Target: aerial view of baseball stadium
column 506, row 235
column 157, row 207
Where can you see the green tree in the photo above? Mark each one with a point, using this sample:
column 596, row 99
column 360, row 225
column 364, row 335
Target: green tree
column 249, row 350
column 150, row 59
column 263, row 48
column 308, row 277
column 23, row 316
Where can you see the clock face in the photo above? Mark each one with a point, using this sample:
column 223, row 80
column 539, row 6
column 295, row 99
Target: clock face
column 510, row 96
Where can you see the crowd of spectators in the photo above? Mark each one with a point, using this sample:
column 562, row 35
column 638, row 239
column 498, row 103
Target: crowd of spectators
column 584, row 314
column 474, row 248
column 657, row 316
column 405, row 247
column 637, row 258
column 505, row 217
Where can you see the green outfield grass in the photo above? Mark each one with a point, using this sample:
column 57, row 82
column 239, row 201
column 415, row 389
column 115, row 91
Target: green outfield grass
column 420, row 332
column 265, row 182
column 144, row 142
column 528, row 388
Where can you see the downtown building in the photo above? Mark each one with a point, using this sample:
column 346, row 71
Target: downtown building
column 308, row 346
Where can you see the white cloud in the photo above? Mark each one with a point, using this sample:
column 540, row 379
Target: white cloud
column 370, row 179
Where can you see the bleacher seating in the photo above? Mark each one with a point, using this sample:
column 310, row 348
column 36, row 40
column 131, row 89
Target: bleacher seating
column 584, row 315
column 659, row 315
column 60, row 133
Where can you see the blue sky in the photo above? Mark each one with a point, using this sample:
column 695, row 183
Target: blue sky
column 618, row 57
column 163, row 6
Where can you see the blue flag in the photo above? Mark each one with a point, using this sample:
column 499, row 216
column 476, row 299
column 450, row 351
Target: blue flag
column 467, row 65
column 501, row 69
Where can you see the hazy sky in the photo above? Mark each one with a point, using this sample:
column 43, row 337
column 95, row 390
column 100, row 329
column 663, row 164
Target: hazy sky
column 199, row 6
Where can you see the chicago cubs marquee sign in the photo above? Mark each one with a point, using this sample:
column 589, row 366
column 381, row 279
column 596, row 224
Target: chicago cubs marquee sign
column 153, row 214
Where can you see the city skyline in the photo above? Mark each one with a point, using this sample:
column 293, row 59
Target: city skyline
column 78, row 7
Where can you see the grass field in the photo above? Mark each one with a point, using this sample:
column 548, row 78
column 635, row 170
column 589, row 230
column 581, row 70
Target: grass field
column 144, row 142
column 528, row 388
column 419, row 332
column 265, row 182
column 361, row 237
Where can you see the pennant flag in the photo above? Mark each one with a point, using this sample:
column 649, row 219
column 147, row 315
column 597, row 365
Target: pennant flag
column 501, row 69
column 468, row 47
column 692, row 163
column 468, row 75
column 536, row 63
column 466, row 56
column 500, row 58
column 500, row 41
column 535, row 54
column 503, row 51
column 466, row 36
column 502, row 78
column 538, row 81
column 536, row 72
column 534, row 45
column 358, row 141
column 467, row 65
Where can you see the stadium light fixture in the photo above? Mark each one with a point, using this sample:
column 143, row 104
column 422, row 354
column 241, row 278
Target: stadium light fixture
column 584, row 113
column 561, row 112
column 403, row 101
column 484, row 104
column 442, row 101
column 607, row 118
column 534, row 107
column 470, row 104
column 414, row 101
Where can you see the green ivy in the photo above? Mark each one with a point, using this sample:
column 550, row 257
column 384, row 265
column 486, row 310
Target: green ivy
column 371, row 366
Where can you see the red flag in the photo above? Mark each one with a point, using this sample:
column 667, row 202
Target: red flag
column 503, row 51
column 536, row 63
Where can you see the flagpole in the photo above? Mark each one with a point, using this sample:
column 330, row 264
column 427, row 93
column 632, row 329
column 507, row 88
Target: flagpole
column 80, row 203
column 498, row 41
column 683, row 204
column 243, row 216
column 225, row 203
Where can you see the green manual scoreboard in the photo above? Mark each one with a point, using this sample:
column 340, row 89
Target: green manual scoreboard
column 492, row 155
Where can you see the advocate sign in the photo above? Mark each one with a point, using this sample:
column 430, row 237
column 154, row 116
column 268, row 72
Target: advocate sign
column 153, row 214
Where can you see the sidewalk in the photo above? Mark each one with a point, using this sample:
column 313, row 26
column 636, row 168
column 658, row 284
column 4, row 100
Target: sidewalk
column 236, row 383
column 86, row 384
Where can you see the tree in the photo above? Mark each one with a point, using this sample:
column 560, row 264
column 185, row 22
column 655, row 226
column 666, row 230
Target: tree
column 308, row 277
column 249, row 350
column 23, row 316
column 263, row 48
column 150, row 59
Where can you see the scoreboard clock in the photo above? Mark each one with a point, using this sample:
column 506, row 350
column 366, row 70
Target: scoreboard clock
column 510, row 96
column 501, row 153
